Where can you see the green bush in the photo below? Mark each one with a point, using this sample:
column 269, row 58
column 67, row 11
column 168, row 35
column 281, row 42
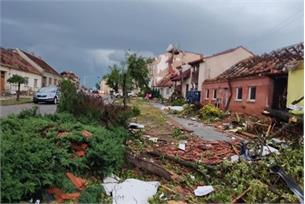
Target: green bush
column 92, row 194
column 68, row 96
column 210, row 112
column 92, row 109
column 33, row 157
column 178, row 102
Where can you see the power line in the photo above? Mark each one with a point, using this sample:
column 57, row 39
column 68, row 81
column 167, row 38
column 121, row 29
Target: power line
column 277, row 27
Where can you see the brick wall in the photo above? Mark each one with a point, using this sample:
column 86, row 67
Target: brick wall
column 264, row 87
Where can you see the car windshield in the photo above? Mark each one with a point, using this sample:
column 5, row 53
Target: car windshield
column 47, row 90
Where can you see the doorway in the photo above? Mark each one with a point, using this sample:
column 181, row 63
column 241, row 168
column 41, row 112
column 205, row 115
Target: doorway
column 279, row 93
column 2, row 82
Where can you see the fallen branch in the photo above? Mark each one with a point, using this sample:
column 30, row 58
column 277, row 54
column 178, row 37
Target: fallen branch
column 241, row 195
column 148, row 166
column 248, row 134
column 188, row 164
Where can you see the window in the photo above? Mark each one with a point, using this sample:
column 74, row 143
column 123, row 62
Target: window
column 26, row 81
column 214, row 93
column 50, row 81
column 207, row 93
column 55, row 81
column 35, row 83
column 167, row 91
column 239, row 94
column 252, row 93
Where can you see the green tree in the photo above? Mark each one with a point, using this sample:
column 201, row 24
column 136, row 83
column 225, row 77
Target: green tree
column 138, row 70
column 113, row 79
column 17, row 79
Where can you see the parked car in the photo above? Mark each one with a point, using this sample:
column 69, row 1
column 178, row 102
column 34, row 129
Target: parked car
column 47, row 94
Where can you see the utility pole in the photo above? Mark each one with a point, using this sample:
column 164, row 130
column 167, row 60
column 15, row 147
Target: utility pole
column 124, row 90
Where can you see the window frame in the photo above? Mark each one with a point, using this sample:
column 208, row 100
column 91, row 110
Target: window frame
column 35, row 83
column 207, row 93
column 237, row 94
column 214, row 94
column 250, row 88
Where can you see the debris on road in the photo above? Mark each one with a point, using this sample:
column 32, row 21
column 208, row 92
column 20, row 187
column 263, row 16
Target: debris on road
column 203, row 190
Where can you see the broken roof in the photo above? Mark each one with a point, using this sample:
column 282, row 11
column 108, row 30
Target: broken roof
column 13, row 60
column 184, row 75
column 46, row 67
column 165, row 81
column 275, row 62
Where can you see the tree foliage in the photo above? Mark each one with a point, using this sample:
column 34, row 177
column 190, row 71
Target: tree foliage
column 136, row 70
column 17, row 79
column 114, row 78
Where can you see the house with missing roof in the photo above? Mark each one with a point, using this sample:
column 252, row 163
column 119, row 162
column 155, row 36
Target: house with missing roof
column 37, row 72
column 254, row 84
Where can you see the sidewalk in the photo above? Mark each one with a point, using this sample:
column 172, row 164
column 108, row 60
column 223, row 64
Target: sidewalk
column 198, row 128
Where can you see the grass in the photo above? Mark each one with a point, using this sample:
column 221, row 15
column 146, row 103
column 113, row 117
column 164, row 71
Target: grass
column 13, row 101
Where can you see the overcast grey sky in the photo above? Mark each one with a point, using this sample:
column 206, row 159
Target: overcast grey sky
column 87, row 36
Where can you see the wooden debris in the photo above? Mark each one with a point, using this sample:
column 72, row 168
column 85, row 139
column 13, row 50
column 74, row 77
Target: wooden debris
column 241, row 195
column 248, row 134
column 148, row 166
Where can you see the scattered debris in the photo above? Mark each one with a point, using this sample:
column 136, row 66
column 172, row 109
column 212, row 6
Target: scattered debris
column 148, row 166
column 201, row 151
column 133, row 191
column 150, row 138
column 109, row 183
column 182, row 144
column 203, row 190
column 60, row 196
column 293, row 186
column 135, row 126
column 241, row 195
column 268, row 150
column 86, row 134
column 234, row 158
column 78, row 182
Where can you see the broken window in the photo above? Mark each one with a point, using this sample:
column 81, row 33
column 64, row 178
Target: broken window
column 214, row 93
column 252, row 93
column 239, row 94
column 207, row 93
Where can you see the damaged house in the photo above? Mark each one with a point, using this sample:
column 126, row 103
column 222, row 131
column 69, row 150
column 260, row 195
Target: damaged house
column 254, row 84
column 200, row 68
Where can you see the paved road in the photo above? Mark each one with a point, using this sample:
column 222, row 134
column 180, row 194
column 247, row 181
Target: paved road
column 42, row 108
column 201, row 130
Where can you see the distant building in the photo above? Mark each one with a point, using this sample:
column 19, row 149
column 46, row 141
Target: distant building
column 71, row 76
column 104, row 88
column 37, row 72
column 49, row 75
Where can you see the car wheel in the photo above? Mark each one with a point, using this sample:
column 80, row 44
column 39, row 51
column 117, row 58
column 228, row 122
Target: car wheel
column 55, row 100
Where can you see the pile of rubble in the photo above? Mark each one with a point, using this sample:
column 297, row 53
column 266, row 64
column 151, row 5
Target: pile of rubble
column 201, row 151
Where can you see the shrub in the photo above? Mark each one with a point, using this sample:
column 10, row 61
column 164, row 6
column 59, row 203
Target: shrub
column 190, row 110
column 33, row 157
column 210, row 112
column 91, row 108
column 68, row 96
column 178, row 102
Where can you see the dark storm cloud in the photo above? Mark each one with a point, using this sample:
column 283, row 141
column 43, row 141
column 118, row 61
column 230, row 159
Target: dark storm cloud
column 87, row 36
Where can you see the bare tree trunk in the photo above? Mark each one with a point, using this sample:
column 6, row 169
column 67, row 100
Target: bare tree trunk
column 18, row 92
